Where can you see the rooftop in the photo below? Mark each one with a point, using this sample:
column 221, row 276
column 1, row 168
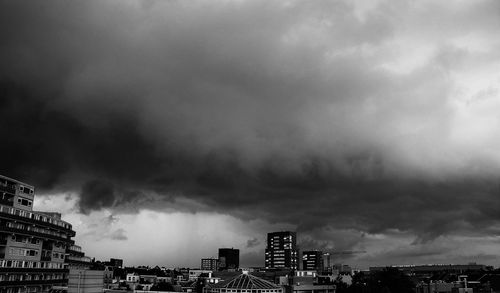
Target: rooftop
column 15, row 181
column 246, row 282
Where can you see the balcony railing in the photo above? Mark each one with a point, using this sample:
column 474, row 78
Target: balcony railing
column 46, row 258
column 7, row 201
column 27, row 264
column 8, row 188
column 85, row 259
column 29, row 217
column 29, row 231
column 32, row 282
column 76, row 248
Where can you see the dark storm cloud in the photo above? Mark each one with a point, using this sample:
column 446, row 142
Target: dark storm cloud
column 119, row 235
column 290, row 113
column 98, row 194
column 252, row 242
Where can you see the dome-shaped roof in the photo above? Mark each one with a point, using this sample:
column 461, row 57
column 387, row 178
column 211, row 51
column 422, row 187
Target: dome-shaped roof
column 246, row 282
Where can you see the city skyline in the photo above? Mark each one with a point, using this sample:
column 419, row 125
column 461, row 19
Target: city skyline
column 164, row 130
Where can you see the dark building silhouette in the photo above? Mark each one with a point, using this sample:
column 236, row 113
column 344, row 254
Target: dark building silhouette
column 229, row 259
column 116, row 262
column 281, row 251
column 430, row 269
column 312, row 260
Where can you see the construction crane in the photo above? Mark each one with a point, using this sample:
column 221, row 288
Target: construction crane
column 328, row 258
column 345, row 252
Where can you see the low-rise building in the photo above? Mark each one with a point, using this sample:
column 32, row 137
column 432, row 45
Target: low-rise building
column 85, row 281
column 459, row 286
column 243, row 283
column 308, row 282
column 194, row 274
column 147, row 279
column 419, row 270
column 132, row 278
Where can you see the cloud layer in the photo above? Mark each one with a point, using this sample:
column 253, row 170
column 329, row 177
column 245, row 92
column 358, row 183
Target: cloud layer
column 336, row 117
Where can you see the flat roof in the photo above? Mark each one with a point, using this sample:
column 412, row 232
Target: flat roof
column 16, row 181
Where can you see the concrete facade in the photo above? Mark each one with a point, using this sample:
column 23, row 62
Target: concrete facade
column 33, row 244
column 85, row 281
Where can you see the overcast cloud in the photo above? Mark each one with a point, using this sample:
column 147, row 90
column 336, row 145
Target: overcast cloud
column 367, row 126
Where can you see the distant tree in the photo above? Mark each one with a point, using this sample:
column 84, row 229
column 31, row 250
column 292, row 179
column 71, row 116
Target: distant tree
column 341, row 287
column 360, row 284
column 157, row 271
column 200, row 284
column 391, row 280
column 163, row 286
column 119, row 273
column 124, row 285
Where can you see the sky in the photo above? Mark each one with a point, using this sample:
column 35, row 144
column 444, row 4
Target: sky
column 163, row 130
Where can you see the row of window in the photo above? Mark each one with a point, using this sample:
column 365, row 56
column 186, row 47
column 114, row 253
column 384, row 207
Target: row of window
column 52, row 255
column 58, row 255
column 30, row 277
column 75, row 248
column 79, row 258
column 30, row 264
column 35, row 216
column 25, row 239
column 25, row 189
column 34, row 229
column 24, row 289
column 22, row 251
column 24, row 201
column 249, row 290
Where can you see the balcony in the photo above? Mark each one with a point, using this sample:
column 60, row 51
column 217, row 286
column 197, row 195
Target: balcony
column 8, row 188
column 7, row 201
column 75, row 253
column 29, row 232
column 75, row 248
column 46, row 258
column 78, row 261
column 84, row 259
column 33, row 270
column 18, row 217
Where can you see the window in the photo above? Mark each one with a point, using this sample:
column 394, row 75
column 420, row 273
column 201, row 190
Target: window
column 25, row 190
column 24, row 202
